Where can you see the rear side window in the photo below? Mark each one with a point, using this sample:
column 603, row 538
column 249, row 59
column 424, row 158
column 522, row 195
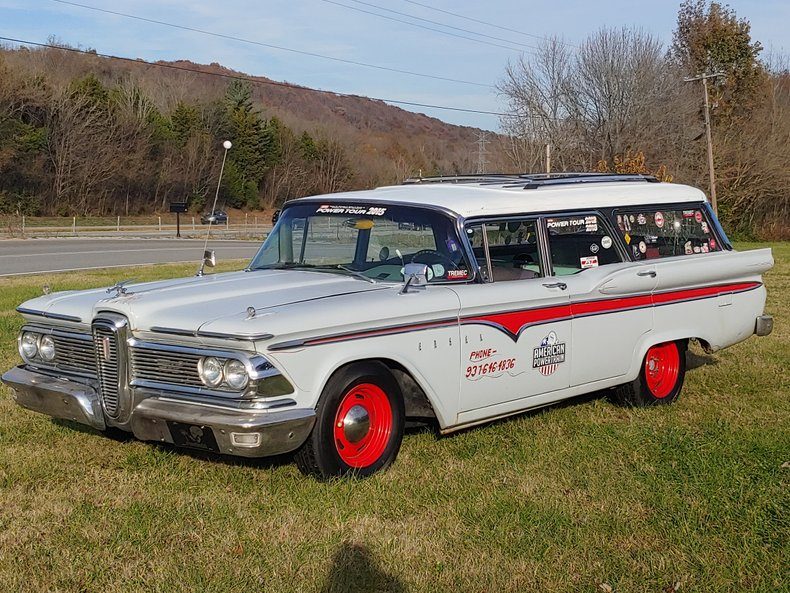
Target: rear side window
column 578, row 242
column 656, row 232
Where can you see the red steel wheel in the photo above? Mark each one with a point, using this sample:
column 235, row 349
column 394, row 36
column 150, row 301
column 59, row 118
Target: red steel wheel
column 662, row 368
column 363, row 425
column 359, row 424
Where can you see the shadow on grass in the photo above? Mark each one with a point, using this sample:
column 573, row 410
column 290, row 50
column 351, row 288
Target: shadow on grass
column 355, row 570
column 695, row 361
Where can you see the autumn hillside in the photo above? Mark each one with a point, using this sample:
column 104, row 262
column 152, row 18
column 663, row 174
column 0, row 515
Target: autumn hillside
column 83, row 134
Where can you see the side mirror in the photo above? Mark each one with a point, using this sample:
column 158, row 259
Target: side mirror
column 209, row 258
column 414, row 276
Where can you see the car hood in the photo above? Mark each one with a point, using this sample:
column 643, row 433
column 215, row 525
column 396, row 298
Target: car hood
column 217, row 303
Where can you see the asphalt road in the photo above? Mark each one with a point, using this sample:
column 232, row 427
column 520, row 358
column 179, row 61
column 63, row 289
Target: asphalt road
column 36, row 256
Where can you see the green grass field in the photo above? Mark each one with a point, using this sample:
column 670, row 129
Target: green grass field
column 583, row 497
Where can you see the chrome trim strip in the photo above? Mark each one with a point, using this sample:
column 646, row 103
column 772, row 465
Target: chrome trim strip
column 199, row 334
column 48, row 315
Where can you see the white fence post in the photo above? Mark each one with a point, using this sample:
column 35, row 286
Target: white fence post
column 118, row 226
column 23, row 226
column 193, row 223
column 74, row 225
column 160, row 224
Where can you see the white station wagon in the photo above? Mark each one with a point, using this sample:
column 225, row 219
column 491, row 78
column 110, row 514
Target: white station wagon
column 457, row 299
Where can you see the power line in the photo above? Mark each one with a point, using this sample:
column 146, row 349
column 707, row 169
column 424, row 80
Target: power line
column 482, row 22
column 172, row 66
column 269, row 45
column 411, row 16
column 397, row 20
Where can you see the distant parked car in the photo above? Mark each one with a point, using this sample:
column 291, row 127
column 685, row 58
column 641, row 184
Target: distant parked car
column 217, row 217
column 275, row 217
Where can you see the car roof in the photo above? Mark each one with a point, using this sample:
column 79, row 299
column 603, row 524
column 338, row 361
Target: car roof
column 470, row 199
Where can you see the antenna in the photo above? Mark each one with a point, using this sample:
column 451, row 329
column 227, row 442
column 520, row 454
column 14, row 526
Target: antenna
column 226, row 145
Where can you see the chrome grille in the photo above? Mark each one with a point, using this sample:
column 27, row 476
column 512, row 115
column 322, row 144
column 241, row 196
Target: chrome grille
column 162, row 366
column 105, row 340
column 74, row 353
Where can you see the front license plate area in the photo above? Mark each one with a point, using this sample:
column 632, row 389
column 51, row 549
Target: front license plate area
column 193, row 436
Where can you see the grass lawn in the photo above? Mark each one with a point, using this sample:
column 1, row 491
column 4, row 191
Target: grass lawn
column 583, row 497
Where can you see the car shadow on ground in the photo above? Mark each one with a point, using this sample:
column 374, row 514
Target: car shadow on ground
column 354, row 569
column 696, row 360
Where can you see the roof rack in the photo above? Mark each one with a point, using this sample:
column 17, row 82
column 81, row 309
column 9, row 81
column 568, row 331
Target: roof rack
column 534, row 180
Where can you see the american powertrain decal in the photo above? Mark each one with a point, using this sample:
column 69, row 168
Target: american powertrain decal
column 513, row 323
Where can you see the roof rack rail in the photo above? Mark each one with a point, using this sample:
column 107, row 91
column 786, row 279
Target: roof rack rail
column 535, row 180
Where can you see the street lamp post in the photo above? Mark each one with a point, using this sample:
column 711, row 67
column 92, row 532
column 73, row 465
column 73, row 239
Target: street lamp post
column 704, row 78
column 226, row 145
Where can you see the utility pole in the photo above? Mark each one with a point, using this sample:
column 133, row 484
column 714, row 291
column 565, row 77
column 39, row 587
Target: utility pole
column 482, row 140
column 704, row 78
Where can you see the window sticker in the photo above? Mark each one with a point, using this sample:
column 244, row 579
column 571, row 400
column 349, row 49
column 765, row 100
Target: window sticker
column 457, row 274
column 620, row 222
column 704, row 226
column 631, row 218
column 438, row 270
column 688, row 214
column 705, row 248
column 642, row 247
column 594, row 248
column 573, row 223
column 641, row 219
column 590, row 224
column 347, row 209
column 712, row 244
column 627, row 239
column 687, row 247
column 698, row 216
column 589, row 262
column 606, row 242
column 658, row 217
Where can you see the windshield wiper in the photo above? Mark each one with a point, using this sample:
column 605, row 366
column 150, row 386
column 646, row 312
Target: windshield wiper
column 337, row 267
column 356, row 273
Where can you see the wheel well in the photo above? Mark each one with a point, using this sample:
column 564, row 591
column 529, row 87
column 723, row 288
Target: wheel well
column 415, row 401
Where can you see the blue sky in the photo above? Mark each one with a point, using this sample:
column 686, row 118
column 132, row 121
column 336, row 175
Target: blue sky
column 322, row 27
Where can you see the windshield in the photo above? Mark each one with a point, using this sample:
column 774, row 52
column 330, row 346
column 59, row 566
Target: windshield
column 374, row 241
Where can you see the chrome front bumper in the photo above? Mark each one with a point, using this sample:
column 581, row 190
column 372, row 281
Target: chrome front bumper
column 168, row 419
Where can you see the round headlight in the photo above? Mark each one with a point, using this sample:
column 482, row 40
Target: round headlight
column 46, row 348
column 28, row 345
column 210, row 371
column 236, row 374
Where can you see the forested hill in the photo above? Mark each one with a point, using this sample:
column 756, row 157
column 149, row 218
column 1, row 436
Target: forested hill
column 82, row 134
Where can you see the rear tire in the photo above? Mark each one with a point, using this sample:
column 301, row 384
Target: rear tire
column 660, row 379
column 359, row 424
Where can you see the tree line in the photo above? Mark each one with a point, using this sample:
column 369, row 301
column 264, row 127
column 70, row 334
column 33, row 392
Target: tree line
column 89, row 148
column 620, row 101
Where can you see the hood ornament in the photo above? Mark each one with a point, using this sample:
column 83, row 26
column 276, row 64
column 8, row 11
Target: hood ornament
column 120, row 288
column 250, row 312
column 46, row 289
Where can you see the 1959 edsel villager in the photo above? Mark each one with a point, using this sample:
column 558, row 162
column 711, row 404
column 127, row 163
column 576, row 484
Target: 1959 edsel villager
column 460, row 299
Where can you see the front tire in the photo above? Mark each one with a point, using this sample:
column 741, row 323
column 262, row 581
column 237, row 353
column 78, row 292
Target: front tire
column 359, row 424
column 660, row 379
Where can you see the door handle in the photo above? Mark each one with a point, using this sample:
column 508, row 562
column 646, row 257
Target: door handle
column 651, row 273
column 560, row 285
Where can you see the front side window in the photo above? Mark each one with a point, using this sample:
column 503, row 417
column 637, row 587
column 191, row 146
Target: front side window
column 373, row 240
column 657, row 232
column 579, row 242
column 512, row 249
